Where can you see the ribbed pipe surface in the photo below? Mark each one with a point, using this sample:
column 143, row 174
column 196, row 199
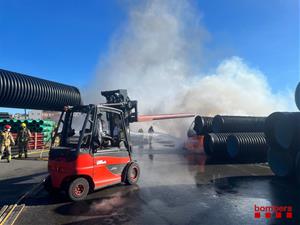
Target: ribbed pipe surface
column 236, row 124
column 250, row 147
column 203, row 125
column 23, row 91
column 215, row 145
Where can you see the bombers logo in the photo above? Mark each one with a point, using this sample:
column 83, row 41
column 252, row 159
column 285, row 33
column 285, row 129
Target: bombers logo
column 278, row 211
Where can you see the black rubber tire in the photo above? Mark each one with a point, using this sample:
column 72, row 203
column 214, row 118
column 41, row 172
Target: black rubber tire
column 48, row 186
column 132, row 173
column 78, row 189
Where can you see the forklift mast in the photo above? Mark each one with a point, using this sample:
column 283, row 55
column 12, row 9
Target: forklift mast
column 119, row 99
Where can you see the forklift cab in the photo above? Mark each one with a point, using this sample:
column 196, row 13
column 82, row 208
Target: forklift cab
column 90, row 150
column 92, row 128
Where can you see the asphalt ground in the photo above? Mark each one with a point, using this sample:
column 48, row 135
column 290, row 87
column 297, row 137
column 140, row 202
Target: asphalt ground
column 175, row 187
column 19, row 176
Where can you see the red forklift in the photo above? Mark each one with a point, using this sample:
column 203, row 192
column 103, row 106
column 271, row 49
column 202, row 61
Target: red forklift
column 91, row 147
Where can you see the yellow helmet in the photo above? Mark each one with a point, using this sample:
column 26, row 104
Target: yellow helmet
column 23, row 125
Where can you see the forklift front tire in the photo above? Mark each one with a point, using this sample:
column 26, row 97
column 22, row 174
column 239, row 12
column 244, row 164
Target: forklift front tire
column 132, row 173
column 78, row 189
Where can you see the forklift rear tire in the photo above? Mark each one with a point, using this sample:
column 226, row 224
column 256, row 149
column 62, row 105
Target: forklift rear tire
column 132, row 173
column 78, row 189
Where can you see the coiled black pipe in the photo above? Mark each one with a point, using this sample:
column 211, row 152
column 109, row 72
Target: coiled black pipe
column 23, row 91
column 282, row 130
column 236, row 124
column 248, row 147
column 215, row 145
column 203, row 125
column 297, row 96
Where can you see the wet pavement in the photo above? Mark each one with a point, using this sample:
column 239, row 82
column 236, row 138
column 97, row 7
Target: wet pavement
column 175, row 187
column 19, row 176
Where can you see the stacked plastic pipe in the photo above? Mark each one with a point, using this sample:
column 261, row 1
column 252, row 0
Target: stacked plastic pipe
column 283, row 136
column 233, row 138
column 275, row 139
column 247, row 147
column 41, row 130
column 242, row 139
column 202, row 125
column 22, row 91
column 282, row 132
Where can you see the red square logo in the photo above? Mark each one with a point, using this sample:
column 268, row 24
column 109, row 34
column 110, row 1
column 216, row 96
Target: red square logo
column 268, row 215
column 278, row 215
column 289, row 215
column 257, row 215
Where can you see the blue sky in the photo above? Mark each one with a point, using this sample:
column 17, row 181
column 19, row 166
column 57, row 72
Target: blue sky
column 64, row 40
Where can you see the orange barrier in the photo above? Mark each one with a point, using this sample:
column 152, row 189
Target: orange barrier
column 36, row 141
column 195, row 144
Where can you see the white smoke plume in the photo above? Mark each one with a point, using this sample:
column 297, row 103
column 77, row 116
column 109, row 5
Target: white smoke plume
column 156, row 56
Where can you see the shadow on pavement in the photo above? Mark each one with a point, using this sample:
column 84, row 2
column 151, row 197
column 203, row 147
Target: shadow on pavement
column 13, row 188
column 44, row 198
column 111, row 201
column 104, row 220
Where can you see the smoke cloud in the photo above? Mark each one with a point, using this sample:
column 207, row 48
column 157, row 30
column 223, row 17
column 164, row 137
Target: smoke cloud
column 156, row 56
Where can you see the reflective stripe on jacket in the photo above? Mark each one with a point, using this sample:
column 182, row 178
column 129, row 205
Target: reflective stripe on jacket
column 6, row 139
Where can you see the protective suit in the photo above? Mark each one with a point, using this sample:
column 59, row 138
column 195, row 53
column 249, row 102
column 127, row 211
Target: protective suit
column 6, row 141
column 23, row 138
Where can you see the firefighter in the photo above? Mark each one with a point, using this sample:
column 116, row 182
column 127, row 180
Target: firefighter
column 6, row 140
column 150, row 132
column 23, row 138
column 141, row 138
column 118, row 134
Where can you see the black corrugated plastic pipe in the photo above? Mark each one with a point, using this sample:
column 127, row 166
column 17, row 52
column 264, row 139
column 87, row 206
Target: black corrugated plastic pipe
column 297, row 96
column 235, row 124
column 269, row 129
column 282, row 130
column 282, row 163
column 250, row 147
column 215, row 145
column 23, row 91
column 203, row 125
column 297, row 172
column 287, row 129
